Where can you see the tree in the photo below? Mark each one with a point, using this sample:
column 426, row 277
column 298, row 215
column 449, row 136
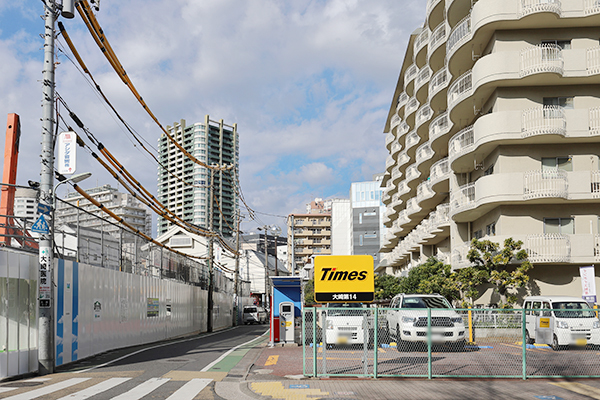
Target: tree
column 467, row 281
column 433, row 276
column 386, row 286
column 495, row 266
column 309, row 293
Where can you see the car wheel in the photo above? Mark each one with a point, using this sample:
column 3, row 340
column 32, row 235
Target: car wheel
column 528, row 339
column 555, row 345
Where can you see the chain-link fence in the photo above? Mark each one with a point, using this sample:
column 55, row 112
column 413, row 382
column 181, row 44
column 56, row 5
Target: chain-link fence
column 392, row 342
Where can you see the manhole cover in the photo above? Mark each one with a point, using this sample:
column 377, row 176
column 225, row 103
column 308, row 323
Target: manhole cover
column 21, row 384
column 177, row 360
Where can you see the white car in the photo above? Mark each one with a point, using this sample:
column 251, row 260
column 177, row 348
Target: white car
column 344, row 324
column 407, row 320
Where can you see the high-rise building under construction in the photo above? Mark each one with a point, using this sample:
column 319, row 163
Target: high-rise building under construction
column 184, row 186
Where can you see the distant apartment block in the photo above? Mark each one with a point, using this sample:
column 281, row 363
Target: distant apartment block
column 308, row 235
column 367, row 217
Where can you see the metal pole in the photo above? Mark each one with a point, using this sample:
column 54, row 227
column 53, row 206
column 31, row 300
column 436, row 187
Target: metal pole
column 211, row 287
column 77, row 240
column 237, row 270
column 266, row 267
column 102, row 242
column 293, row 249
column 46, row 259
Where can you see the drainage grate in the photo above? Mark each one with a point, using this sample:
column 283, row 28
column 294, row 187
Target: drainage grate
column 21, row 384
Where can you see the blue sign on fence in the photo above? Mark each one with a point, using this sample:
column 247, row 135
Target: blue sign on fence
column 41, row 226
column 44, row 209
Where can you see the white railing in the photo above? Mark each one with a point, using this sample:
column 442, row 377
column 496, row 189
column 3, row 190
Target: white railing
column 593, row 60
column 396, row 174
column 410, row 74
column 431, row 4
column 437, row 37
column 439, row 126
column 396, row 120
column 440, row 170
column 595, row 179
column 540, row 59
column 424, row 191
column 412, row 207
column 389, row 162
column 423, row 114
column 438, row 81
column 461, row 88
column 591, row 7
column 412, row 139
column 539, row 184
column 421, row 40
column 536, row 6
column 412, row 106
column 396, row 147
column 597, row 247
column 422, row 77
column 402, row 100
column 403, row 188
column 459, row 257
column 548, row 120
column 459, row 34
column 462, row 198
column 548, row 247
column 442, row 214
column 412, row 173
column 403, row 129
column 594, row 121
column 403, row 158
column 389, row 138
column 461, row 143
column 424, row 152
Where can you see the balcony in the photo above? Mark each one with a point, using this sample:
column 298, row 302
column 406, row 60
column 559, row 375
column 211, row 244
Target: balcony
column 548, row 120
column 539, row 184
column 389, row 163
column 412, row 173
column 461, row 33
column 403, row 189
column 396, row 176
column 591, row 7
column 402, row 100
column 411, row 107
column 424, row 191
column 424, row 153
column 459, row 257
column 463, row 198
column 423, row 115
column 436, row 39
column 412, row 139
column 421, row 88
column 412, row 207
column 537, row 6
column 402, row 130
column 409, row 76
column 389, row 138
column 460, row 89
column 461, row 143
column 396, row 120
column 396, row 148
column 595, row 183
column 420, row 52
column 438, row 82
column 403, row 159
column 438, row 173
column 543, row 58
column 548, row 248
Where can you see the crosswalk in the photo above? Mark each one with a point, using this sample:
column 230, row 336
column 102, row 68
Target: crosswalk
column 187, row 391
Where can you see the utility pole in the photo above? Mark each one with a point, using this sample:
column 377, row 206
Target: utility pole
column 236, row 281
column 293, row 255
column 266, row 228
column 46, row 258
column 211, row 285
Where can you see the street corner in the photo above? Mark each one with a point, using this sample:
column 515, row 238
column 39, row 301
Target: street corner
column 278, row 361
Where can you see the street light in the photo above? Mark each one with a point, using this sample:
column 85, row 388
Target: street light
column 276, row 231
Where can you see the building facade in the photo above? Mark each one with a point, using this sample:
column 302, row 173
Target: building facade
column 494, row 132
column 367, row 218
column 341, row 227
column 184, row 187
column 308, row 235
column 123, row 205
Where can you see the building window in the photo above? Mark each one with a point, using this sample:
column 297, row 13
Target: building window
column 563, row 44
column 360, row 218
column 557, row 164
column 564, row 226
column 489, row 171
column 490, row 229
column 564, row 102
column 478, row 234
column 360, row 240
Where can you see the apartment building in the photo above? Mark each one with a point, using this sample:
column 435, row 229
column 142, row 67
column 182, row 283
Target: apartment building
column 494, row 132
column 123, row 205
column 308, row 235
column 367, row 222
column 184, row 187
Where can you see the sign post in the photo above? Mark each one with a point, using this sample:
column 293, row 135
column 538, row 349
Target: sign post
column 344, row 279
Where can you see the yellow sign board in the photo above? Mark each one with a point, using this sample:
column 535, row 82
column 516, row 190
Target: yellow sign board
column 344, row 279
column 544, row 322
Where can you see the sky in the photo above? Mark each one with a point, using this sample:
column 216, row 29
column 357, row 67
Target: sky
column 308, row 82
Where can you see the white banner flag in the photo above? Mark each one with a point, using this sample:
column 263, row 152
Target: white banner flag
column 588, row 283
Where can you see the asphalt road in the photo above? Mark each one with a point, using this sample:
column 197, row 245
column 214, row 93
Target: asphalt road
column 184, row 369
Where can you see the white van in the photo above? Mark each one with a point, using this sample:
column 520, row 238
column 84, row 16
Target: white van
column 560, row 321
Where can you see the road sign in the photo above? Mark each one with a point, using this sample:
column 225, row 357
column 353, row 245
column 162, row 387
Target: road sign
column 44, row 209
column 343, row 279
column 41, row 226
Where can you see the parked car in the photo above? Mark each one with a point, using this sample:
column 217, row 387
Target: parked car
column 561, row 320
column 407, row 320
column 252, row 314
column 344, row 324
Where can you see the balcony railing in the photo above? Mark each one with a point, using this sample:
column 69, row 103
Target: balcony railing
column 439, row 126
column 538, row 184
column 423, row 76
column 421, row 40
column 536, row 6
column 459, row 34
column 595, row 178
column 396, row 147
column 461, row 143
column 540, row 59
column 597, row 247
column 396, row 174
column 424, row 152
column 594, row 121
column 412, row 139
column 403, row 158
column 424, row 191
column 593, row 60
column 438, row 81
column 389, row 138
column 403, row 188
column 410, row 74
column 548, row 247
column 549, row 120
column 591, row 7
column 431, row 4
column 461, row 88
column 462, row 198
column 403, row 129
column 412, row 106
column 423, row 114
column 412, row 173
column 412, row 207
column 440, row 170
column 459, row 257
column 396, row 120
column 389, row 161
column 436, row 38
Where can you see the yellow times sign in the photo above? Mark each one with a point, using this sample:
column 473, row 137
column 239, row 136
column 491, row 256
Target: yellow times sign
column 341, row 279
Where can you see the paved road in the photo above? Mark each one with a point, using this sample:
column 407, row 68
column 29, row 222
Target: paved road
column 184, row 369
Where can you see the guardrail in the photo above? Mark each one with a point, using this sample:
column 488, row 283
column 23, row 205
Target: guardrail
column 447, row 343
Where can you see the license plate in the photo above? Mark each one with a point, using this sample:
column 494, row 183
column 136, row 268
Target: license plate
column 342, row 340
column 580, row 342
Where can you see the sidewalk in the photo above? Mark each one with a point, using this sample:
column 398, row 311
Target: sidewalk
column 276, row 372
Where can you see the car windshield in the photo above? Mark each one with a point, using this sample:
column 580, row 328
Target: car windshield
column 345, row 309
column 249, row 309
column 573, row 309
column 425, row 302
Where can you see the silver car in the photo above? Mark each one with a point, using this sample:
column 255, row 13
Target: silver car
column 254, row 314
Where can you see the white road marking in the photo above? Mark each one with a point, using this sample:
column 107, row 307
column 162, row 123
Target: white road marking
column 190, row 389
column 142, row 389
column 47, row 389
column 6, row 389
column 94, row 390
